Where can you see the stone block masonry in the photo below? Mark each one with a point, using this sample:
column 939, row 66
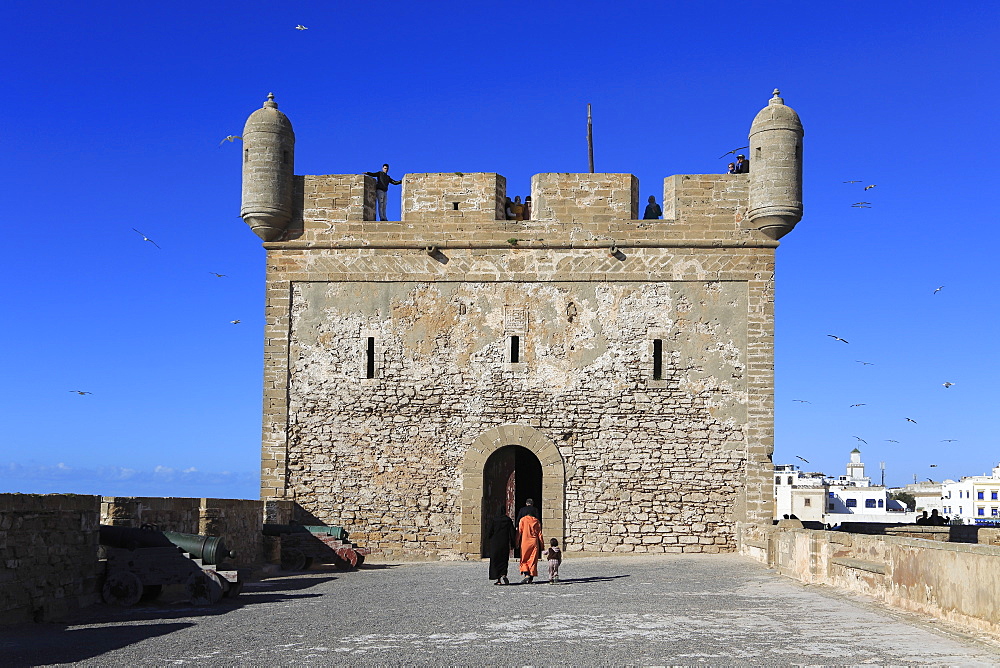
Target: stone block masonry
column 48, row 555
column 421, row 373
column 647, row 464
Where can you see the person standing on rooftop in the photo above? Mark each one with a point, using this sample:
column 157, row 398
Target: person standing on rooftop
column 382, row 188
column 653, row 210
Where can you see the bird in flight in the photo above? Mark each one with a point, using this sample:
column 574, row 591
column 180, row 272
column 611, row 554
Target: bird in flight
column 81, row 392
column 301, row 27
column 235, row 322
column 217, row 275
column 862, row 440
column 947, row 385
column 852, row 181
column 948, row 440
column 870, row 187
column 933, row 466
column 862, row 205
column 865, row 363
column 802, row 401
column 834, row 336
column 733, row 151
column 803, row 459
column 911, row 420
column 145, row 238
column 856, row 405
column 230, row 138
column 937, row 289
column 889, row 440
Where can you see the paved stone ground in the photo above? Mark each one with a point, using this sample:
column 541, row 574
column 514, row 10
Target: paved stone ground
column 677, row 609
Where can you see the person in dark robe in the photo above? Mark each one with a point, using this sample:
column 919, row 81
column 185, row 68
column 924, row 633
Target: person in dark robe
column 501, row 536
column 529, row 509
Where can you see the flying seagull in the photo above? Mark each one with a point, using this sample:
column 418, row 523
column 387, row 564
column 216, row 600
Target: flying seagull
column 865, row 363
column 933, row 466
column 948, row 440
column 937, row 289
column 733, row 151
column 856, row 405
column 947, row 385
column 870, row 187
column 889, row 440
column 235, row 322
column 802, row 401
column 145, row 238
column 862, row 205
column 301, row 27
column 81, row 392
column 230, row 138
column 862, row 440
column 833, row 336
column 803, row 459
column 911, row 420
column 217, row 275
column 852, row 181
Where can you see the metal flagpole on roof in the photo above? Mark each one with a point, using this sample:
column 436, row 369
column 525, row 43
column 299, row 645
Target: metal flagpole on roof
column 590, row 138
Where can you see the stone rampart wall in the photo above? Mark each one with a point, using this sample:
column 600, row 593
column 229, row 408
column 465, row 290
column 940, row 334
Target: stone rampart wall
column 48, row 555
column 954, row 581
column 236, row 520
column 451, row 206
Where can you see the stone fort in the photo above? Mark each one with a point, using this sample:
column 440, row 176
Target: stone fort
column 419, row 374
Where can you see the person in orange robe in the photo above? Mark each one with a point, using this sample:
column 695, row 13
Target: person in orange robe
column 529, row 530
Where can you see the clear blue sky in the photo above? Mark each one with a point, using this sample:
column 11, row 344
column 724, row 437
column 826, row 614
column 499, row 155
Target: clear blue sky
column 113, row 113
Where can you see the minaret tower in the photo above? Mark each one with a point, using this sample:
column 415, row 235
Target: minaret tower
column 855, row 469
column 775, row 169
column 268, row 159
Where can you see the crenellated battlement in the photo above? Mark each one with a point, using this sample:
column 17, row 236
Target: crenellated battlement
column 452, row 208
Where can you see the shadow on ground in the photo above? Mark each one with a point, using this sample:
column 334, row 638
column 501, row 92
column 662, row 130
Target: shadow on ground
column 102, row 628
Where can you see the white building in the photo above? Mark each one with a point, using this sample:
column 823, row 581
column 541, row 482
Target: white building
column 973, row 499
column 847, row 498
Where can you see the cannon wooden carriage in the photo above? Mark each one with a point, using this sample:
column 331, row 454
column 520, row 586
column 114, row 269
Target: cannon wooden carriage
column 302, row 545
column 139, row 562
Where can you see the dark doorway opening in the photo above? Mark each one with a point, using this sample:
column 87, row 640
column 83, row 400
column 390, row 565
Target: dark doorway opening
column 511, row 475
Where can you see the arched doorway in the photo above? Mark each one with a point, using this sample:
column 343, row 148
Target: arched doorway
column 553, row 482
column 511, row 475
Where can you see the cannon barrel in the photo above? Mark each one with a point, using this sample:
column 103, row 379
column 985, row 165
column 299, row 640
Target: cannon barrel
column 278, row 529
column 210, row 549
column 130, row 538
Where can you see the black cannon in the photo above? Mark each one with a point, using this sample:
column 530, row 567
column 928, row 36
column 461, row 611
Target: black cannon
column 138, row 562
column 210, row 549
column 304, row 544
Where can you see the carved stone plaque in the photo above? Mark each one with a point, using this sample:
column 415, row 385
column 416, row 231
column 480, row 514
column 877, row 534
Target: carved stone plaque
column 515, row 319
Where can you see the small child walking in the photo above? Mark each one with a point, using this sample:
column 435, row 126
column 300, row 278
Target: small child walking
column 554, row 555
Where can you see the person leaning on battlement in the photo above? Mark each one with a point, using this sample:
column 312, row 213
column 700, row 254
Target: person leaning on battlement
column 742, row 165
column 653, row 210
column 382, row 188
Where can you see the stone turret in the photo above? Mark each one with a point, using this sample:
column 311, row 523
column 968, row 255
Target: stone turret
column 775, row 169
column 268, row 163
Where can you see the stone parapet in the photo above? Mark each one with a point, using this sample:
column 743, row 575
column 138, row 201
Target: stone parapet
column 48, row 555
column 454, row 197
column 954, row 581
column 572, row 198
column 239, row 521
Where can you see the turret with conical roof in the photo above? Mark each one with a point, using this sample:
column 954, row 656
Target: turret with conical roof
column 775, row 169
column 268, row 167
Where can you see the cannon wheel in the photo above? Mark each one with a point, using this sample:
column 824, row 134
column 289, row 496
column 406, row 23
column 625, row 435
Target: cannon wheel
column 293, row 560
column 122, row 588
column 361, row 560
column 204, row 588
